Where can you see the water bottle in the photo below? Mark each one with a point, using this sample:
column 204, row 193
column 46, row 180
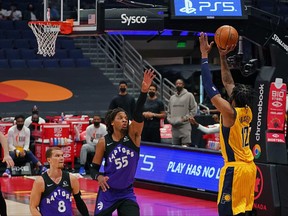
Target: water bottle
column 55, row 141
column 62, row 117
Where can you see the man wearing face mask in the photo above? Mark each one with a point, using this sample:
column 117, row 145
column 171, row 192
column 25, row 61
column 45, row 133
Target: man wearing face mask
column 123, row 100
column 93, row 133
column 153, row 112
column 34, row 131
column 28, row 120
column 18, row 142
column 182, row 106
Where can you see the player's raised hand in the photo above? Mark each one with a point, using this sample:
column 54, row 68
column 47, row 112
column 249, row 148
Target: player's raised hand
column 205, row 46
column 224, row 52
column 8, row 160
column 147, row 80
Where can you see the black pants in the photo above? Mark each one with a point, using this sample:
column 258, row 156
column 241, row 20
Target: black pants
column 124, row 208
column 151, row 134
column 2, row 205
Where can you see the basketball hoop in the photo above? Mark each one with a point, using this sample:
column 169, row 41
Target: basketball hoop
column 46, row 33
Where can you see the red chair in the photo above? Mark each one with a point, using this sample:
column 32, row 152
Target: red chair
column 55, row 135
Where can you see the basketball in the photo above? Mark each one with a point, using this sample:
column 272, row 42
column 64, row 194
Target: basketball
column 226, row 36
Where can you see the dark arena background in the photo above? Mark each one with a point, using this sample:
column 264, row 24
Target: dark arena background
column 111, row 41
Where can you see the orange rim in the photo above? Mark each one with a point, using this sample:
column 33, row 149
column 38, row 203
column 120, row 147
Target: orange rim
column 65, row 27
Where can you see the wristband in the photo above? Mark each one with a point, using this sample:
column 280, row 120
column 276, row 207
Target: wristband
column 94, row 170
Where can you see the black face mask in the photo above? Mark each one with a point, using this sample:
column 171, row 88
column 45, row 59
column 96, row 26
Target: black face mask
column 35, row 112
column 123, row 90
column 96, row 124
column 179, row 88
column 151, row 94
column 35, row 121
column 19, row 127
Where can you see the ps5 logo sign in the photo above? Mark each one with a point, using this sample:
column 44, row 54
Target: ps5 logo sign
column 207, row 7
column 188, row 7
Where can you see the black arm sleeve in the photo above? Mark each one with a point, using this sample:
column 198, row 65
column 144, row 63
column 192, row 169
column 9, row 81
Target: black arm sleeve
column 94, row 171
column 81, row 206
column 137, row 115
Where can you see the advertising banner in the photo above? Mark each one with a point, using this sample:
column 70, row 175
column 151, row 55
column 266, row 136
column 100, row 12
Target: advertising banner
column 134, row 19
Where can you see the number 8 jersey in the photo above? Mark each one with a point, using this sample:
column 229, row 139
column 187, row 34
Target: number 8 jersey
column 56, row 199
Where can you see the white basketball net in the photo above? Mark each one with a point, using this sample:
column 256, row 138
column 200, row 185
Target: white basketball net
column 46, row 35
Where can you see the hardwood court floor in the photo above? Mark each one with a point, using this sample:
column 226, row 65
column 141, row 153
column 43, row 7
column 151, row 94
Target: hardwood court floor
column 16, row 190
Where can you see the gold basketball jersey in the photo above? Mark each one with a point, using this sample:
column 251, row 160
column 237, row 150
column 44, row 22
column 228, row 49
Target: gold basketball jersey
column 234, row 141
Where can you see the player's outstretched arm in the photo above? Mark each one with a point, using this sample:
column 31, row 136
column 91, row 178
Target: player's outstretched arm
column 226, row 76
column 221, row 104
column 37, row 190
column 81, row 206
column 135, row 129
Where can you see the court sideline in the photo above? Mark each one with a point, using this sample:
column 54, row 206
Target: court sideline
column 16, row 191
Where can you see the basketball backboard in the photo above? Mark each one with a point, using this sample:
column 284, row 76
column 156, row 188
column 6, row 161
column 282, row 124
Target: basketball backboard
column 83, row 13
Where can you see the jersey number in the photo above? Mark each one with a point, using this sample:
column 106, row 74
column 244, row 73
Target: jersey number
column 61, row 206
column 245, row 136
column 121, row 162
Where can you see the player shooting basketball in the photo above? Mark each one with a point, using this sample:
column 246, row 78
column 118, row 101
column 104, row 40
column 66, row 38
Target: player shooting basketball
column 238, row 175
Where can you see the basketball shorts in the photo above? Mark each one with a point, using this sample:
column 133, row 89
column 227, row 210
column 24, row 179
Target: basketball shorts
column 236, row 188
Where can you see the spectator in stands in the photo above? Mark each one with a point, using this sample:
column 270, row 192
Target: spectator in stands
column 182, row 106
column 14, row 13
column 30, row 14
column 28, row 120
column 211, row 132
column 153, row 112
column 93, row 133
column 34, row 131
column 214, row 128
column 54, row 12
column 18, row 142
column 3, row 12
column 123, row 100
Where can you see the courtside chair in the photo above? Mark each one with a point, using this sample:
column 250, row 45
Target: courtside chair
column 13, row 54
column 28, row 34
column 67, row 44
column 51, row 63
column 18, row 63
column 6, row 43
column 21, row 25
column 21, row 43
column 4, row 63
column 75, row 53
column 67, row 63
column 28, row 53
column 61, row 54
column 2, row 34
column 33, row 43
column 83, row 62
column 6, row 24
column 2, row 54
column 13, row 34
column 34, row 63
